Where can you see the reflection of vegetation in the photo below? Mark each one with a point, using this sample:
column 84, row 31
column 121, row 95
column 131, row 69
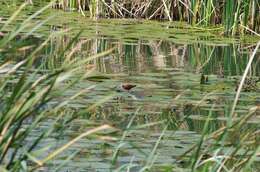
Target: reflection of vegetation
column 229, row 60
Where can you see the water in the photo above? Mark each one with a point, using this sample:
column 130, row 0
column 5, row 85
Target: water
column 166, row 62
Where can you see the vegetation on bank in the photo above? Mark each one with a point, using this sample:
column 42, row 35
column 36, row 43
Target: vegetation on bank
column 236, row 16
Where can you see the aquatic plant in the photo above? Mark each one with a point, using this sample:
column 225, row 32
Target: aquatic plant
column 26, row 92
column 236, row 16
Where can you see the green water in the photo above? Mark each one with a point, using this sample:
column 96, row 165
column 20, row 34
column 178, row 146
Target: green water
column 166, row 62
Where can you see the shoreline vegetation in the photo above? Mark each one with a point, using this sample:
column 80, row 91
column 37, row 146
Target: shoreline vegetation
column 236, row 17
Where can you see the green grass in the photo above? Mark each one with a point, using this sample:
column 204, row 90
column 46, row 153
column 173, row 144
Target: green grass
column 237, row 17
column 25, row 94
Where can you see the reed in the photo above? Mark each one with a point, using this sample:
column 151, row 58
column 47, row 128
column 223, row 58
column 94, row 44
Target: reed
column 26, row 92
column 234, row 16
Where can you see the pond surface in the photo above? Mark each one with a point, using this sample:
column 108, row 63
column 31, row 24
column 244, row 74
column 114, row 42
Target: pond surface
column 168, row 63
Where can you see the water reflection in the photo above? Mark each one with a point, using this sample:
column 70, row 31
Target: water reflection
column 168, row 77
column 169, row 92
column 144, row 56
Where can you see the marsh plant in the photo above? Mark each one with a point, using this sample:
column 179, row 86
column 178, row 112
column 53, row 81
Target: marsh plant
column 32, row 94
column 26, row 94
column 235, row 16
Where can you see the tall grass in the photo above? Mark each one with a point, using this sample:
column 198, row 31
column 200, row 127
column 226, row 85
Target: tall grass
column 234, row 16
column 26, row 93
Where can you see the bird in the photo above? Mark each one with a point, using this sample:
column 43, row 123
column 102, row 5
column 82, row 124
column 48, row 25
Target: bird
column 125, row 87
column 135, row 94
